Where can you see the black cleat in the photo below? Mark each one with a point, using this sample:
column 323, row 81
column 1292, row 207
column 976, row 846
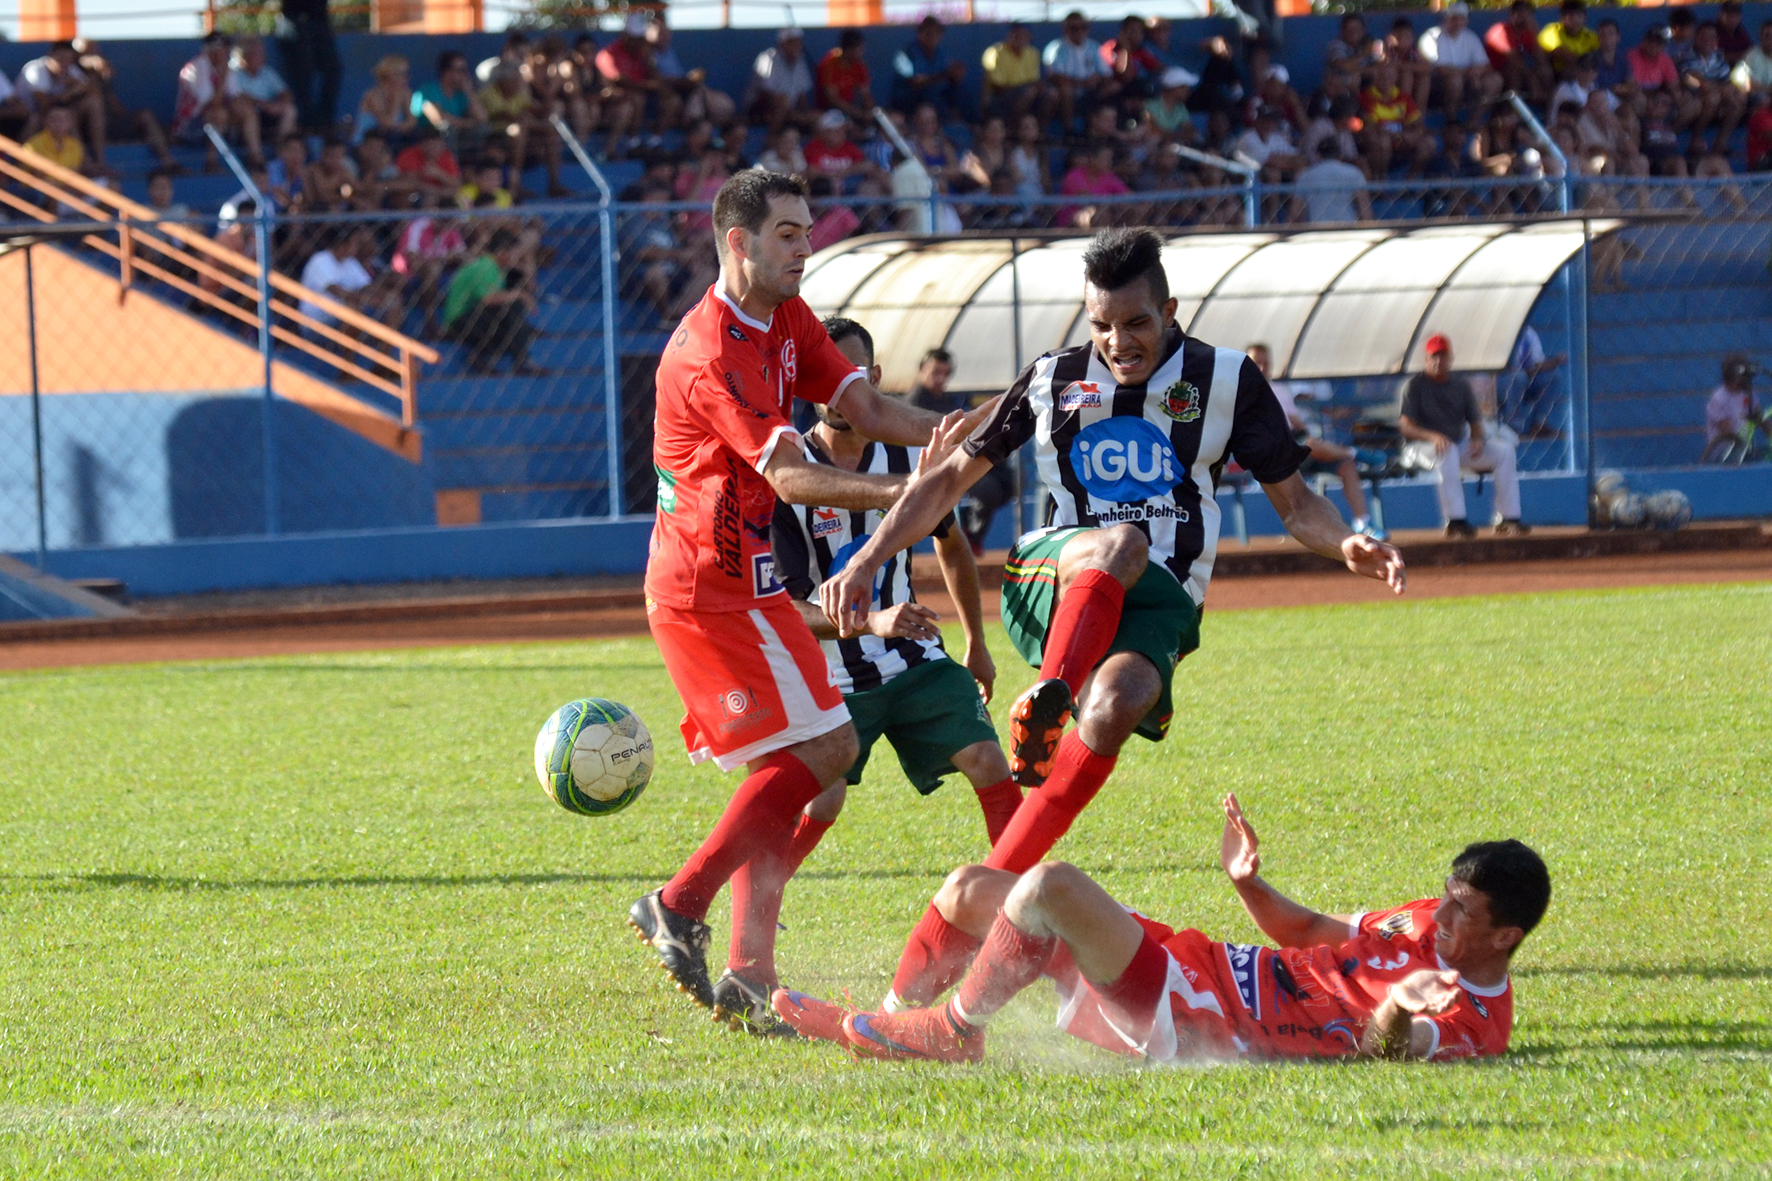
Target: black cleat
column 743, row 1007
column 681, row 943
column 1036, row 723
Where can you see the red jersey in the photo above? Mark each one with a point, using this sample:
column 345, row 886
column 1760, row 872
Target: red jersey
column 1316, row 1001
column 837, row 161
column 725, row 386
column 843, row 76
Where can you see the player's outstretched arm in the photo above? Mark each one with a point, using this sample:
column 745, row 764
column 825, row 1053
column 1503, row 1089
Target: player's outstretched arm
column 798, row 480
column 931, row 496
column 912, row 620
column 1314, row 521
column 1286, row 922
column 893, row 420
column 1401, row 1027
column 960, row 572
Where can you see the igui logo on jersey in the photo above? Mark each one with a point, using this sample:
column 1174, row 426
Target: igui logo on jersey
column 1181, row 401
column 1478, row 1005
column 1401, row 923
column 1242, row 958
column 736, row 333
column 826, row 521
column 1080, row 395
column 1125, row 459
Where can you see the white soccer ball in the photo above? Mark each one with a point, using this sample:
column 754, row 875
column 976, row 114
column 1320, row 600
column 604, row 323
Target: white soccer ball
column 1628, row 511
column 593, row 757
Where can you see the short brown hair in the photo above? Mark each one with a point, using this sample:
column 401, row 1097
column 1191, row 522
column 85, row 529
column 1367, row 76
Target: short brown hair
column 743, row 200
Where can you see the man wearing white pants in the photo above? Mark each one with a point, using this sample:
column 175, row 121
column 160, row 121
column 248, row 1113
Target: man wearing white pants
column 1439, row 408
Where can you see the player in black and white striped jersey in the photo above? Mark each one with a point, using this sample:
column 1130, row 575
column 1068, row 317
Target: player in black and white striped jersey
column 896, row 679
column 1130, row 433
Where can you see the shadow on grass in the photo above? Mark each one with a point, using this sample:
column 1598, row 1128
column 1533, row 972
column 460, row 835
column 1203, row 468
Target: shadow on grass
column 1670, row 1036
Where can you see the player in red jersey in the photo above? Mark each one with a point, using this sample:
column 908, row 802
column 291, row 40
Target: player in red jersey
column 1427, row 979
column 755, row 687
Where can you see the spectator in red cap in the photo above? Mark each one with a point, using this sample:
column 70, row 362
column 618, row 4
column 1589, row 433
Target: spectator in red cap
column 1441, row 409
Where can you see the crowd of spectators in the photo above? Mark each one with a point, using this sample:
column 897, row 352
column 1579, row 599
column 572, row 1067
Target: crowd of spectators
column 1136, row 128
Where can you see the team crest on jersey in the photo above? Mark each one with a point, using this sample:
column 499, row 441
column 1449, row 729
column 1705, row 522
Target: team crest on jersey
column 1401, row 923
column 826, row 521
column 1181, row 401
column 1242, row 958
column 1379, row 963
column 763, row 574
column 788, row 359
column 736, row 333
column 1080, row 395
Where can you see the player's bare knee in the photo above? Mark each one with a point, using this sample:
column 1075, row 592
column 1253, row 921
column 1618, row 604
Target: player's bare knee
column 959, row 894
column 1122, row 551
column 828, row 804
column 983, row 764
column 1052, row 883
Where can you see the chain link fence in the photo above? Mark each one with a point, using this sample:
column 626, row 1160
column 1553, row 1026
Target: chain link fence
column 139, row 415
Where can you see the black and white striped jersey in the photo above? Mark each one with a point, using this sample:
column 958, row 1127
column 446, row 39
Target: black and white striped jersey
column 811, row 544
column 1147, row 455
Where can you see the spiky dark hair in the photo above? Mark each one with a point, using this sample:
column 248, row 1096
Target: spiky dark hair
column 1121, row 256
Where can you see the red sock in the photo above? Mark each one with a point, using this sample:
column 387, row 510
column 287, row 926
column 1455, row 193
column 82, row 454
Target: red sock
column 1046, row 815
column 757, row 889
column 999, row 801
column 765, row 806
column 1009, row 961
column 1083, row 626
column 934, row 957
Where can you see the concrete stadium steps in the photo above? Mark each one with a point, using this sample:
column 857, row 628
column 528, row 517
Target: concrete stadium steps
column 1752, row 334
column 1647, row 412
column 1648, row 448
column 1648, row 373
column 517, row 468
column 540, row 428
column 457, row 394
column 588, row 500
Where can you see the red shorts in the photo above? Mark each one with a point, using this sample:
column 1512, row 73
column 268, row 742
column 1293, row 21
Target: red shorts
column 752, row 681
column 1175, row 1000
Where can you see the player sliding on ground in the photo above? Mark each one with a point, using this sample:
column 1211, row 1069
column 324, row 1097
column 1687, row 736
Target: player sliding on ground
column 753, row 680
column 895, row 678
column 1427, row 979
column 1131, row 431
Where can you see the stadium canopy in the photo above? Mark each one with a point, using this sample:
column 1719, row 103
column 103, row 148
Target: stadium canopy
column 1327, row 303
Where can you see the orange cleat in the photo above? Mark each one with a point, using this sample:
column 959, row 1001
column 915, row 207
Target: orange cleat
column 810, row 1017
column 934, row 1034
column 1036, row 723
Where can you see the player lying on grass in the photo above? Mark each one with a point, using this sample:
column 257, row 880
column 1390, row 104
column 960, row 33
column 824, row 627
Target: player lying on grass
column 1131, row 431
column 896, row 679
column 1427, row 979
column 756, row 693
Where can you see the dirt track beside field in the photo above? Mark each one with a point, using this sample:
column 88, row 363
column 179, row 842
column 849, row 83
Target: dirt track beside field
column 543, row 618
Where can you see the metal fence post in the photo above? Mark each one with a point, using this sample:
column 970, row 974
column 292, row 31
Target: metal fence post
column 1578, row 371
column 611, row 370
column 36, row 410
column 263, row 223
column 1020, row 469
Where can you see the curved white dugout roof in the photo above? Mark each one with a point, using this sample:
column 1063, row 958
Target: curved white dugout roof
column 1327, row 303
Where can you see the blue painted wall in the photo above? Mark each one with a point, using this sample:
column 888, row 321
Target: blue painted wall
column 139, row 469
column 540, row 549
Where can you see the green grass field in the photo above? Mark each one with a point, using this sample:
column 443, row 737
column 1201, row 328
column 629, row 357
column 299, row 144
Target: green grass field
column 313, row 916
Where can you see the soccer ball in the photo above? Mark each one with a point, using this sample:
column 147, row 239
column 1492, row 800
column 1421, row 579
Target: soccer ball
column 1668, row 509
column 593, row 757
column 1628, row 511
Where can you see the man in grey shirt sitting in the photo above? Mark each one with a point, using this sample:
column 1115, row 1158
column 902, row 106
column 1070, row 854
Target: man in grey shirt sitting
column 1441, row 409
